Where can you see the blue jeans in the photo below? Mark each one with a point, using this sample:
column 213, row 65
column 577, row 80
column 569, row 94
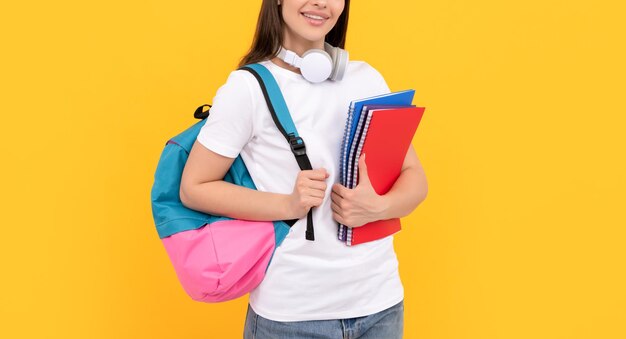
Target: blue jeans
column 386, row 324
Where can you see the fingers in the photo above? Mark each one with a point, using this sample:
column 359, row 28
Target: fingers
column 310, row 187
column 316, row 193
column 317, row 185
column 317, row 174
column 314, row 179
column 309, row 191
column 336, row 209
column 340, row 190
column 312, row 202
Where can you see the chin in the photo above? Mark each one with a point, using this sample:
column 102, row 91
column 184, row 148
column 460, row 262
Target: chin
column 314, row 36
column 315, row 39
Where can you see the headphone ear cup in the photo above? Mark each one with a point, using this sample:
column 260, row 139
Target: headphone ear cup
column 316, row 66
column 333, row 55
column 341, row 64
column 332, row 51
column 340, row 61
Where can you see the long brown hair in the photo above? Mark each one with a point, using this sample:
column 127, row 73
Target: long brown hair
column 269, row 32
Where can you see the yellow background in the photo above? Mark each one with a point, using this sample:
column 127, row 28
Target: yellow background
column 522, row 233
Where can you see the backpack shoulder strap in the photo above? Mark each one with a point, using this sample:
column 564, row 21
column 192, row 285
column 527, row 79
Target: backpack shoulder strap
column 282, row 118
column 280, row 113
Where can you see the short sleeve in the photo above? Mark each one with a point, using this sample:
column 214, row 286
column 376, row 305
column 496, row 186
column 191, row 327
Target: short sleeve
column 384, row 89
column 380, row 82
column 230, row 124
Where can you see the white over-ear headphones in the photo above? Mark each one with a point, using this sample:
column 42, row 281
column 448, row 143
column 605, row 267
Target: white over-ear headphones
column 317, row 65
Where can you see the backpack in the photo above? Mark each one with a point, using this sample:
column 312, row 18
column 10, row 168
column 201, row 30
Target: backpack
column 217, row 258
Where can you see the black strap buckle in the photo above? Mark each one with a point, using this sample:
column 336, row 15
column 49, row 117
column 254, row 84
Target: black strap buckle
column 199, row 114
column 297, row 145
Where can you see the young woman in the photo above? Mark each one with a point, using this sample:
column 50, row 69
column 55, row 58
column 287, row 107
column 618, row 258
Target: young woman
column 320, row 288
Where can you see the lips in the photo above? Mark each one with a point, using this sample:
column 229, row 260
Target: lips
column 316, row 14
column 314, row 22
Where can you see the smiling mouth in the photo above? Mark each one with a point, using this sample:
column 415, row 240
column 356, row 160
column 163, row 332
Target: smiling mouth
column 314, row 18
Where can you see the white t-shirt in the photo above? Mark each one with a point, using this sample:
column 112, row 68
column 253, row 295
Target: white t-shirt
column 306, row 280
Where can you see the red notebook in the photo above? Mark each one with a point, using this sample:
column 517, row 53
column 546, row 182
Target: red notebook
column 387, row 141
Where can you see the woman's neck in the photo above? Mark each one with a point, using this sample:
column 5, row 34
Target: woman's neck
column 298, row 46
column 280, row 63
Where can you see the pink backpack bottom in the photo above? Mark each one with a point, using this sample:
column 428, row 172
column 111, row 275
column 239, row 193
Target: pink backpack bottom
column 223, row 260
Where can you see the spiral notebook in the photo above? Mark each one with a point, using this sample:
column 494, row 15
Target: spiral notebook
column 357, row 121
column 357, row 149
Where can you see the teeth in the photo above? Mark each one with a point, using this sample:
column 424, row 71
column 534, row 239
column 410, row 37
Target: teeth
column 313, row 16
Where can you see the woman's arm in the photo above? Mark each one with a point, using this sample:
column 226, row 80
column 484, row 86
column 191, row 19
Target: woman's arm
column 203, row 189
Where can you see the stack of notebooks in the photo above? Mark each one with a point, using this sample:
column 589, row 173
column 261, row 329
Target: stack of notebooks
column 381, row 127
